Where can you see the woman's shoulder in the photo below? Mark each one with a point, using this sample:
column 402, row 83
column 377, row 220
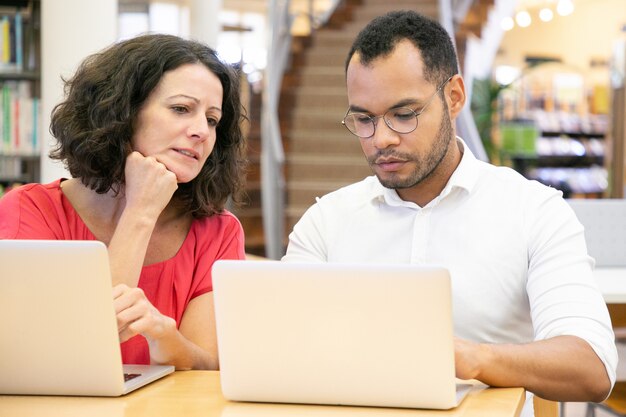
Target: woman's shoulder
column 218, row 231
column 217, row 227
column 222, row 220
column 35, row 192
column 32, row 211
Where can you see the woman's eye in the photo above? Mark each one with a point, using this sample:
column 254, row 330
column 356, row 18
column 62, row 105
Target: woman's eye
column 212, row 122
column 179, row 109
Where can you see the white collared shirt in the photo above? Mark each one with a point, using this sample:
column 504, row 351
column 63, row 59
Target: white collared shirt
column 515, row 250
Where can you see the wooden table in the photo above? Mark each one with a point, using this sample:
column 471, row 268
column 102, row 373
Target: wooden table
column 198, row 393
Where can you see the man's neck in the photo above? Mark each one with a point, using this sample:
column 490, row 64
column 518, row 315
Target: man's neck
column 428, row 189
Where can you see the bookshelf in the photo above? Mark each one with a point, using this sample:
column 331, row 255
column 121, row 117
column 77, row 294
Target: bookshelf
column 553, row 129
column 20, row 92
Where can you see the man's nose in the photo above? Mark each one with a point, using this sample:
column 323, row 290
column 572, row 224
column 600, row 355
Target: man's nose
column 384, row 136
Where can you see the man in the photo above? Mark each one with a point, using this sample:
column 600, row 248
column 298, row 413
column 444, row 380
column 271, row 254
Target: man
column 527, row 311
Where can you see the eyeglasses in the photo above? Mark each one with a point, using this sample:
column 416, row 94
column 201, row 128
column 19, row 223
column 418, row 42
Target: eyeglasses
column 400, row 119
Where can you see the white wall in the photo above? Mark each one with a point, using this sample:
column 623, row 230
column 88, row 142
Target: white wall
column 70, row 30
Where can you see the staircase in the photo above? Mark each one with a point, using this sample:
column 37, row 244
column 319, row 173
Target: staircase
column 322, row 155
column 250, row 213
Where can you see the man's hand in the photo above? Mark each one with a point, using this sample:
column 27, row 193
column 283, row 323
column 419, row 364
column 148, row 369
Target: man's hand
column 468, row 358
column 544, row 367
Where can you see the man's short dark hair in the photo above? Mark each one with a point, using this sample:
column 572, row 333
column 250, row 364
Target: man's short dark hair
column 94, row 125
column 381, row 35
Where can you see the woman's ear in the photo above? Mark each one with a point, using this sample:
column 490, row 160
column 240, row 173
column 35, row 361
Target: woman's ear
column 455, row 95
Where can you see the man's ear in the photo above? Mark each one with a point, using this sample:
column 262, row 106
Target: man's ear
column 455, row 95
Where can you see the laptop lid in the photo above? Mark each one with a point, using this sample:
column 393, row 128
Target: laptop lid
column 59, row 329
column 374, row 335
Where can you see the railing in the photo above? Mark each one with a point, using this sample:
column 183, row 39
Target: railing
column 465, row 124
column 272, row 152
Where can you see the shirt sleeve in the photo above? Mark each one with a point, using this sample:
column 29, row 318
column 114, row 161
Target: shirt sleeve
column 25, row 215
column 221, row 238
column 564, row 297
column 307, row 240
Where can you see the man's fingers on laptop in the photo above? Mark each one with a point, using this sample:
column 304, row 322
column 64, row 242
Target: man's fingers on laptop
column 467, row 358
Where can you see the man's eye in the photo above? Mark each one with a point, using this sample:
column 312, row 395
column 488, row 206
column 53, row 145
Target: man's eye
column 403, row 115
column 361, row 118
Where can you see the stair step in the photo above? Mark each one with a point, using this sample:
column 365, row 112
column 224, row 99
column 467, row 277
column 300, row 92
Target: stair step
column 321, row 155
column 344, row 41
column 322, row 101
column 312, row 80
column 326, row 90
column 322, row 70
column 334, row 130
column 330, row 123
column 304, row 193
column 337, row 133
column 316, row 51
column 329, row 58
column 326, row 168
column 320, row 97
column 318, row 117
column 316, row 77
column 309, row 141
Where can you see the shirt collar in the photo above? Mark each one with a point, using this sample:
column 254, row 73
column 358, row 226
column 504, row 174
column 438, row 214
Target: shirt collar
column 464, row 177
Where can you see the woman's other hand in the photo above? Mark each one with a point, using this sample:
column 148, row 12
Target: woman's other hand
column 136, row 315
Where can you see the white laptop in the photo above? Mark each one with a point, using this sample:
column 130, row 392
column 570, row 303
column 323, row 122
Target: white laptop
column 370, row 335
column 59, row 332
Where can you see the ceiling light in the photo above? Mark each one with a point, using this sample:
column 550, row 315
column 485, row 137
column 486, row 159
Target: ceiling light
column 546, row 14
column 565, row 7
column 507, row 23
column 523, row 19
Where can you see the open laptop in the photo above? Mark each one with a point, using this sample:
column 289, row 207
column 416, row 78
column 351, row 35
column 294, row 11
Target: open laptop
column 371, row 335
column 59, row 332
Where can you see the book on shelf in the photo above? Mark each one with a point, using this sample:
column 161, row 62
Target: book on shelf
column 20, row 119
column 12, row 42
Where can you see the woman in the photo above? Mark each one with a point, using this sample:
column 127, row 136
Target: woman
column 150, row 132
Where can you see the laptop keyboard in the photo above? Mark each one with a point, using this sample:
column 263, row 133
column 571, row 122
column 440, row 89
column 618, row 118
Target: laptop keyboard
column 128, row 377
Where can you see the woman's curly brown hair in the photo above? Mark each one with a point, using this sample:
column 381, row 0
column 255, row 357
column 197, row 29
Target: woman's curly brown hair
column 94, row 125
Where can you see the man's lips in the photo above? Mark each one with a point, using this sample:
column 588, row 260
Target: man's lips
column 390, row 165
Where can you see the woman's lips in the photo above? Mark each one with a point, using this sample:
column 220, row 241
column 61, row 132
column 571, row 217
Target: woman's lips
column 188, row 153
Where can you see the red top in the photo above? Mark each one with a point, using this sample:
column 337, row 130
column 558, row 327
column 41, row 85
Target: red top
column 41, row 211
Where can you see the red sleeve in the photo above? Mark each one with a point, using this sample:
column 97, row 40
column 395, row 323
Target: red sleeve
column 221, row 238
column 30, row 212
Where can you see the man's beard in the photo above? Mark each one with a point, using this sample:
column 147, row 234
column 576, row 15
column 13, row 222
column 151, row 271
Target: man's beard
column 424, row 166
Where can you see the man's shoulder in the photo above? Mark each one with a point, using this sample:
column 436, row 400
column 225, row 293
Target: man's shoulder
column 356, row 193
column 509, row 181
